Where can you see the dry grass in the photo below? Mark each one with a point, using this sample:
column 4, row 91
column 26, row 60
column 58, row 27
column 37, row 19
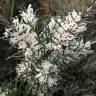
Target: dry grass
column 77, row 4
column 51, row 7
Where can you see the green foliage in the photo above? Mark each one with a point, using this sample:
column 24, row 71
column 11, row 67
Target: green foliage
column 9, row 89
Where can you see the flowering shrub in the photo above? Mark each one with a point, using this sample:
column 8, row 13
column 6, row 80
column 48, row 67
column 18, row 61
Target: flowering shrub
column 60, row 43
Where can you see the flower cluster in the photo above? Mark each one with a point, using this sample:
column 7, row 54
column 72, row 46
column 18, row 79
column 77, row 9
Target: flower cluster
column 66, row 44
column 28, row 16
column 66, row 37
column 48, row 72
column 23, row 36
column 22, row 33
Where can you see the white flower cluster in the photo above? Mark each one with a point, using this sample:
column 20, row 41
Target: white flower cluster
column 22, row 33
column 71, row 24
column 47, row 74
column 28, row 16
column 22, row 68
column 65, row 41
column 66, row 37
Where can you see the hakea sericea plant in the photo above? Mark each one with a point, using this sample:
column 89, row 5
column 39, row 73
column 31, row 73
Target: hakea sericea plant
column 59, row 43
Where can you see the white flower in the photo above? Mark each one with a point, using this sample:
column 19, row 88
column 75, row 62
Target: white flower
column 45, row 74
column 76, row 16
column 16, row 21
column 6, row 34
column 47, row 65
column 52, row 24
column 22, row 45
column 88, row 44
column 71, row 23
column 52, row 46
column 85, row 48
column 28, row 53
column 22, row 67
column 29, row 16
column 52, row 81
